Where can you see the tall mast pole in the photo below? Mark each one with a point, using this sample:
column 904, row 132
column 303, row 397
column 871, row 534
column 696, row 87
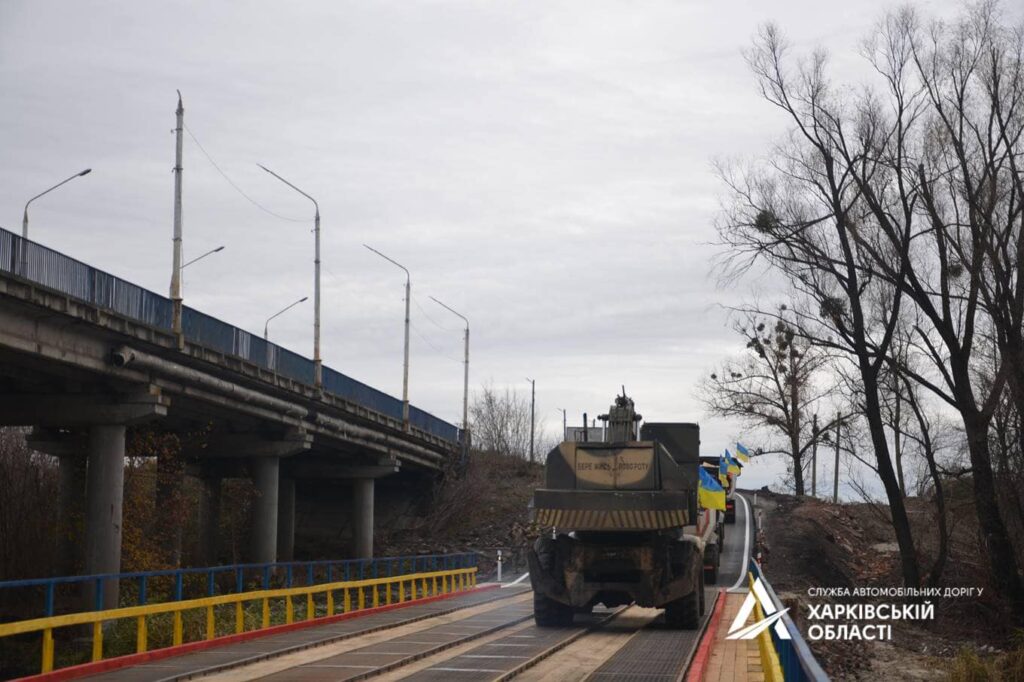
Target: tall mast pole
column 318, row 369
column 465, row 399
column 176, row 264
column 405, row 366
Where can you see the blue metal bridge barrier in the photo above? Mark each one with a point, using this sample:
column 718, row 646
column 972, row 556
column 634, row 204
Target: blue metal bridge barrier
column 190, row 583
column 54, row 270
column 795, row 656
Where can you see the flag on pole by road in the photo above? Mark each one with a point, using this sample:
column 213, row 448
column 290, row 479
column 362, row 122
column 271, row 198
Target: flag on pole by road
column 710, row 492
column 732, row 464
column 742, row 454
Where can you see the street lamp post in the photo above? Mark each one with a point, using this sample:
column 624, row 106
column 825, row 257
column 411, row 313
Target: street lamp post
column 266, row 326
column 318, row 377
column 533, row 400
column 197, row 258
column 405, row 366
column 24, row 219
column 465, row 380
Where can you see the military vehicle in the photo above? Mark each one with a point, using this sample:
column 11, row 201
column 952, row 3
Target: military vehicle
column 620, row 523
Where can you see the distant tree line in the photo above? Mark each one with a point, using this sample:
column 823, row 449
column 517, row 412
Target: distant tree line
column 894, row 216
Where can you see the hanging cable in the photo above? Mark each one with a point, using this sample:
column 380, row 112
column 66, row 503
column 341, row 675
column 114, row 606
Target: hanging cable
column 239, row 189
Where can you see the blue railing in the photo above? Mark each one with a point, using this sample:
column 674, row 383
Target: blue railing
column 795, row 656
column 74, row 278
column 190, row 583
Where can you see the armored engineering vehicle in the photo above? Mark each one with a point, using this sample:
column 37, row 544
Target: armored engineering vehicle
column 620, row 523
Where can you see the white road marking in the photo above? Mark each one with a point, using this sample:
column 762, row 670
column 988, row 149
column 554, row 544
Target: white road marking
column 746, row 546
column 518, row 580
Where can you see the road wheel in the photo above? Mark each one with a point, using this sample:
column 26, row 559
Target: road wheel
column 546, row 611
column 712, row 557
column 550, row 613
column 686, row 612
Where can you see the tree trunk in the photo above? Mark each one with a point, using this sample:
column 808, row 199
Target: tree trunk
column 900, row 521
column 1001, row 555
column 940, row 509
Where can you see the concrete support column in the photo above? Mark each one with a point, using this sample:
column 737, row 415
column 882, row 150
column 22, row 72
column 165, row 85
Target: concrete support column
column 72, row 472
column 103, row 506
column 209, row 520
column 362, row 517
column 264, row 527
column 286, row 520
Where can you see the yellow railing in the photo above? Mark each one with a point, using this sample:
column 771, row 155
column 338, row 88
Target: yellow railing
column 355, row 595
column 769, row 657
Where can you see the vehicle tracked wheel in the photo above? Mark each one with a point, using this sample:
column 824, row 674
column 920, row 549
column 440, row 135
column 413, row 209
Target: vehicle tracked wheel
column 712, row 558
column 550, row 613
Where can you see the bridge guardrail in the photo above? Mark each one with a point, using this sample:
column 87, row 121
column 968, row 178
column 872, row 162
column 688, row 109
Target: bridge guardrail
column 795, row 657
column 423, row 584
column 237, row 576
column 34, row 262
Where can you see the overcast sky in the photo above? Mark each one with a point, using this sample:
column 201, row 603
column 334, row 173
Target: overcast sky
column 545, row 168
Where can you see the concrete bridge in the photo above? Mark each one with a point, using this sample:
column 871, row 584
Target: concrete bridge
column 84, row 354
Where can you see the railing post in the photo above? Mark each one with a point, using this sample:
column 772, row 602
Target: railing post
column 49, row 598
column 47, row 650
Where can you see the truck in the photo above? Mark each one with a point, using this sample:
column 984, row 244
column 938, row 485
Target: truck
column 620, row 523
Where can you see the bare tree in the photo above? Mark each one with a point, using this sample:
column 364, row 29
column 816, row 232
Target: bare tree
column 772, row 387
column 919, row 184
column 800, row 214
column 501, row 422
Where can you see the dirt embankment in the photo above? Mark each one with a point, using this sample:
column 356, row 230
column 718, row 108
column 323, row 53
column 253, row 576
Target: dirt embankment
column 485, row 509
column 812, row 544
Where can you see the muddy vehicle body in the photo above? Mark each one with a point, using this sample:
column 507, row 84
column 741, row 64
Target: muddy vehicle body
column 620, row 523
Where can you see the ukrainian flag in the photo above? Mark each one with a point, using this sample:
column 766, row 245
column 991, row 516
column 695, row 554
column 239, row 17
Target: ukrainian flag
column 723, row 471
column 733, row 465
column 710, row 493
column 742, row 454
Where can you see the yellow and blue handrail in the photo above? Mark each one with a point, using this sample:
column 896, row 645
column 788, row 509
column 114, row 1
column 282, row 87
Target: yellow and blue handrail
column 355, row 595
column 791, row 659
column 234, row 577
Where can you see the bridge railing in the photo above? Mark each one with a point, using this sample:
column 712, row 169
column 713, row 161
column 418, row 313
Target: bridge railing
column 196, row 620
column 64, row 594
column 795, row 657
column 54, row 270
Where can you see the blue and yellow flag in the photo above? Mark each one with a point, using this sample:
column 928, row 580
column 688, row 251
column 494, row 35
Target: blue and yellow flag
column 733, row 465
column 710, row 492
column 742, row 454
column 723, row 471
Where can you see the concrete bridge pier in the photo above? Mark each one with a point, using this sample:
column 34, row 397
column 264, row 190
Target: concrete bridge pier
column 362, row 517
column 286, row 519
column 72, row 473
column 209, row 518
column 265, row 476
column 67, row 447
column 105, row 415
column 104, row 495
